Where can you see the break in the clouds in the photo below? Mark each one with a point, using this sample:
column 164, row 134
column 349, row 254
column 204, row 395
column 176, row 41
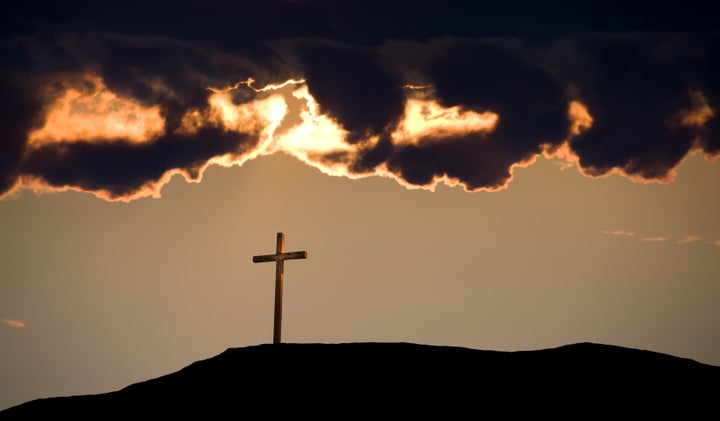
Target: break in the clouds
column 118, row 115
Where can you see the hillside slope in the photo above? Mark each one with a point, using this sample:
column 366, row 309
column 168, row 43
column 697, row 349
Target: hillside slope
column 404, row 379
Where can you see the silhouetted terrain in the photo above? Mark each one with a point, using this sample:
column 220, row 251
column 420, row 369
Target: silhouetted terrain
column 382, row 380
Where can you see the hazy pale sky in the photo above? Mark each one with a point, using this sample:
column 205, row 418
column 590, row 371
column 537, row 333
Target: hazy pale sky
column 98, row 294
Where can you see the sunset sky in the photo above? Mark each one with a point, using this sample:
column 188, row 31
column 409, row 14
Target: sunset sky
column 498, row 177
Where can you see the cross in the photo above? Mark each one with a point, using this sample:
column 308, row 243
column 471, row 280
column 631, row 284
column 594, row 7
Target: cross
column 279, row 258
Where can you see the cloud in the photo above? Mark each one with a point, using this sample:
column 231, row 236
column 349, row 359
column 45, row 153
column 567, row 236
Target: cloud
column 689, row 239
column 118, row 114
column 355, row 85
column 620, row 233
column 108, row 113
column 656, row 239
column 651, row 96
column 14, row 323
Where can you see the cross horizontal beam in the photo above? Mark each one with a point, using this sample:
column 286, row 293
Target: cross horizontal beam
column 280, row 256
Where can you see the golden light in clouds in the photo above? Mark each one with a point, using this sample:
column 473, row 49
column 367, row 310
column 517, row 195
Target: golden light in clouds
column 250, row 82
column 260, row 116
column 318, row 140
column 314, row 137
column 699, row 112
column 93, row 112
column 286, row 118
column 425, row 118
column 563, row 153
column 14, row 323
column 580, row 118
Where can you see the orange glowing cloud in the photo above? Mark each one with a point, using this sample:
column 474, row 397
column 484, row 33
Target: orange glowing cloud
column 580, row 118
column 262, row 115
column 426, row 118
column 96, row 114
column 284, row 117
column 699, row 112
column 14, row 323
column 315, row 136
column 320, row 141
column 250, row 82
column 563, row 153
column 91, row 112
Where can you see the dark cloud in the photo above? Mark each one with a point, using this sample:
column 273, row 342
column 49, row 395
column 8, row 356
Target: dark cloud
column 473, row 160
column 120, row 168
column 18, row 115
column 172, row 74
column 640, row 73
column 356, row 85
column 636, row 87
column 502, row 77
column 506, row 78
column 234, row 23
column 155, row 71
column 640, row 89
column 706, row 78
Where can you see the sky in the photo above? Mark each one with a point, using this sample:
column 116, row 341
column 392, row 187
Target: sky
column 501, row 177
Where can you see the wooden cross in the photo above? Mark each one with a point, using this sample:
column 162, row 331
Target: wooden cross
column 279, row 258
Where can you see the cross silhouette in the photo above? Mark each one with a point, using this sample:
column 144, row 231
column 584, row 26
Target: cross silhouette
column 279, row 258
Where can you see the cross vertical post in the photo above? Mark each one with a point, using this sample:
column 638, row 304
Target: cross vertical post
column 279, row 258
column 279, row 272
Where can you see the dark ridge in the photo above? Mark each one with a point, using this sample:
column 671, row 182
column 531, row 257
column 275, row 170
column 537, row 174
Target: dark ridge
column 381, row 380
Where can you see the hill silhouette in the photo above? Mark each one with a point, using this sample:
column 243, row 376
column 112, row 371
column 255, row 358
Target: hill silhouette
column 382, row 380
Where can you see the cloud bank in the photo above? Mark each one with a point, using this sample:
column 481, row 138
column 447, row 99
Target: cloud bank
column 118, row 114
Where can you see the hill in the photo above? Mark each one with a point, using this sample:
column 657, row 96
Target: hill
column 382, row 380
